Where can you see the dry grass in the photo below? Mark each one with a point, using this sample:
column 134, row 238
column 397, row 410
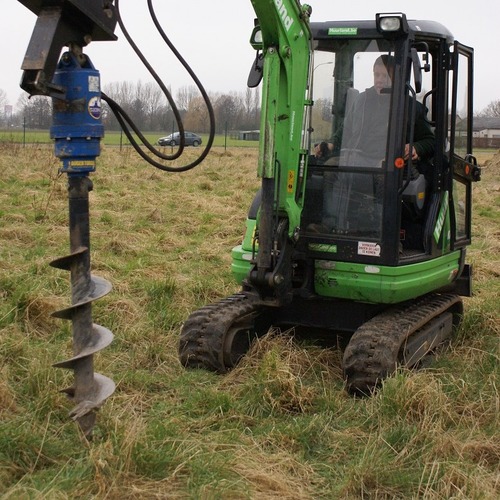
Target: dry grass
column 280, row 425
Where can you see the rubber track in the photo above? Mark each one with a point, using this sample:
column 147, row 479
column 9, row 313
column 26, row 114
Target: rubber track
column 201, row 343
column 373, row 352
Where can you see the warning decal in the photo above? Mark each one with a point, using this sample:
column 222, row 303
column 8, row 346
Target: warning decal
column 368, row 248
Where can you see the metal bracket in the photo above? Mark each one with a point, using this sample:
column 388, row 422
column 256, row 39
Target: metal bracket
column 61, row 23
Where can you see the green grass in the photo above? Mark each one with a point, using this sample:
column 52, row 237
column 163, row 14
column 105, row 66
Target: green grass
column 280, row 425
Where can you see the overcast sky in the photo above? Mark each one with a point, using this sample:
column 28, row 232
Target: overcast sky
column 213, row 37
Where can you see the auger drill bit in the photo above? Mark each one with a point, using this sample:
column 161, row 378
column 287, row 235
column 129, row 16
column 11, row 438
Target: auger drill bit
column 90, row 389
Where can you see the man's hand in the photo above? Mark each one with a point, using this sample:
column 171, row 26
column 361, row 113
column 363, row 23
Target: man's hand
column 414, row 155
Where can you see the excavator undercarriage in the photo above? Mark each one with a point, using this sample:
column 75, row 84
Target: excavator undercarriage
column 217, row 336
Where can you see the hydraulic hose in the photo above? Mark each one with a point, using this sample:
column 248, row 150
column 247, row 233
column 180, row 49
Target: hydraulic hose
column 126, row 122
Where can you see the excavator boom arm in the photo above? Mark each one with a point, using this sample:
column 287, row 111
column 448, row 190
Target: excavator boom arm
column 286, row 43
column 287, row 49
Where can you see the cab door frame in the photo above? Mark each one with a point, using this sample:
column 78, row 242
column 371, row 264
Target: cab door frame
column 464, row 169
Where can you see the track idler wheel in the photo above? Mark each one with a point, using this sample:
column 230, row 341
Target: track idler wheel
column 217, row 336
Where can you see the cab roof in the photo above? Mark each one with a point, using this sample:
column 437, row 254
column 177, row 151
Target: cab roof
column 368, row 29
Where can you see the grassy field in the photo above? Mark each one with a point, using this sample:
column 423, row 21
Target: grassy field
column 278, row 426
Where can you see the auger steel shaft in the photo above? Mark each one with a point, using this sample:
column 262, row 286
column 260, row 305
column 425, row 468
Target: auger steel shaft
column 90, row 389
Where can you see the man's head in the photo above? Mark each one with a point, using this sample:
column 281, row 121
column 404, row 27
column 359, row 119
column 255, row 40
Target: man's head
column 383, row 72
column 321, row 149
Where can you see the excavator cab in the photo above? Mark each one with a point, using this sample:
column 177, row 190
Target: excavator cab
column 367, row 204
column 383, row 204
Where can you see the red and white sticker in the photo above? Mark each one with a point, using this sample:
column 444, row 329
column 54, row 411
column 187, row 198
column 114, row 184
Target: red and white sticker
column 368, row 248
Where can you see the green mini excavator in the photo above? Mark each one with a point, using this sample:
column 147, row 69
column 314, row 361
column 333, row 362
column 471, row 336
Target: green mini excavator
column 358, row 234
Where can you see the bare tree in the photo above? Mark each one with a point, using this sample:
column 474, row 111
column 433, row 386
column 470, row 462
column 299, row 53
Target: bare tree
column 256, row 108
column 226, row 108
column 3, row 103
column 196, row 118
column 3, row 98
column 36, row 111
column 22, row 102
column 122, row 93
column 248, row 101
column 185, row 95
column 152, row 102
column 143, row 102
column 492, row 110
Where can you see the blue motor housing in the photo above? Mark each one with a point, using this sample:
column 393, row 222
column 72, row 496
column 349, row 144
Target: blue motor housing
column 77, row 118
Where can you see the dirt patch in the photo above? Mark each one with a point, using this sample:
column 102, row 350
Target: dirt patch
column 493, row 162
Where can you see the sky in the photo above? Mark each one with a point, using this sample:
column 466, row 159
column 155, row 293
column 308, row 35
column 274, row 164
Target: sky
column 213, row 37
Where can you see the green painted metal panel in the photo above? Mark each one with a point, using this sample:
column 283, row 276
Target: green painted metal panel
column 384, row 284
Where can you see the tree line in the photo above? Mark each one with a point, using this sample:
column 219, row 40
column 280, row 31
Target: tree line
column 149, row 109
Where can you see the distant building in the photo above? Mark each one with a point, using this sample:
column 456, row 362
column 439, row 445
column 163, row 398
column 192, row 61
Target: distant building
column 488, row 127
column 485, row 131
column 249, row 135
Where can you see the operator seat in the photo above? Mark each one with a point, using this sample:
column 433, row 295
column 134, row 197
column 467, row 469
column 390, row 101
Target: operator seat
column 414, row 194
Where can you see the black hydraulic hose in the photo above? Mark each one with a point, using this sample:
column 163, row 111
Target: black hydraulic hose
column 162, row 86
column 125, row 121
column 190, row 72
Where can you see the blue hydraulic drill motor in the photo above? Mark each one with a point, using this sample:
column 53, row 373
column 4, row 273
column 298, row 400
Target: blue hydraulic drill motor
column 77, row 118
